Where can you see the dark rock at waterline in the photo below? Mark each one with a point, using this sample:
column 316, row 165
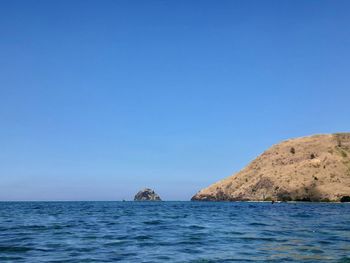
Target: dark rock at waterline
column 147, row 195
column 345, row 199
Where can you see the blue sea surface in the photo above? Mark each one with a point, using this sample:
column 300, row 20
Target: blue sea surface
column 174, row 232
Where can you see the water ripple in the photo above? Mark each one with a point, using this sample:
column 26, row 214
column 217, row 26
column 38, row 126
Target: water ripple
column 173, row 232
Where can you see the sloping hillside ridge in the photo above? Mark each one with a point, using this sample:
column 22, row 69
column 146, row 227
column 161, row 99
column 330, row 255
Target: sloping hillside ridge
column 313, row 168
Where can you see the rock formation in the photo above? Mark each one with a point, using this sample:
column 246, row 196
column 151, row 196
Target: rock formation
column 147, row 195
column 314, row 168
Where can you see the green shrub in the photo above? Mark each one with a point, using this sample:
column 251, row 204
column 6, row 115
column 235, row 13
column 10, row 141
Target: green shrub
column 344, row 154
column 269, row 198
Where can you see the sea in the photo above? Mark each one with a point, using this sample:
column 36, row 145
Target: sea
column 174, row 232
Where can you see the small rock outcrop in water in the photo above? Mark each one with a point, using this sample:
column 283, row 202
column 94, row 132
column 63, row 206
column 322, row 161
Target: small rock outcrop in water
column 147, row 195
column 313, row 168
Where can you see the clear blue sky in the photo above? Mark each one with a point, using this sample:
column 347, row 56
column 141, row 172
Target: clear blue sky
column 101, row 98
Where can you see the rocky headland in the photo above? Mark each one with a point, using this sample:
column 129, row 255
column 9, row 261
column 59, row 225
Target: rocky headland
column 147, row 194
column 313, row 168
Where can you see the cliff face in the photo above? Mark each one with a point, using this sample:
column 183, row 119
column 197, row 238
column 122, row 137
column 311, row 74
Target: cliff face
column 314, row 168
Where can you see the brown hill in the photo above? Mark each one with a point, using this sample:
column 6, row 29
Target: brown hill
column 314, row 168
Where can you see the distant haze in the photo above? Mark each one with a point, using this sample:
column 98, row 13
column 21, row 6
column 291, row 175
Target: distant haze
column 99, row 99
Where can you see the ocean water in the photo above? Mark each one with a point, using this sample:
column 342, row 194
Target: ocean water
column 174, row 232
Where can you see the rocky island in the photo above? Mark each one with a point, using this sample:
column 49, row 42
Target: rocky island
column 313, row 168
column 147, row 194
